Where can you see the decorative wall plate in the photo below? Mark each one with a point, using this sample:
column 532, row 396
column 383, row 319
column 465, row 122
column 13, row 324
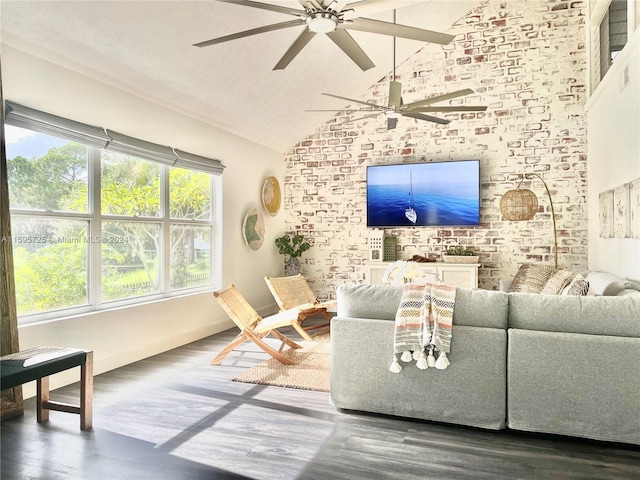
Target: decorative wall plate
column 271, row 196
column 253, row 229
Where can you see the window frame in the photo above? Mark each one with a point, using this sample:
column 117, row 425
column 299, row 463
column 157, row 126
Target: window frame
column 41, row 122
column 598, row 10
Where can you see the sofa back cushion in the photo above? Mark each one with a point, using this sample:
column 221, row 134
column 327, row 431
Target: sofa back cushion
column 473, row 307
column 378, row 302
column 481, row 308
column 614, row 316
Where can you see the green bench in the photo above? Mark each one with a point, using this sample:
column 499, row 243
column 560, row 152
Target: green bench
column 41, row 362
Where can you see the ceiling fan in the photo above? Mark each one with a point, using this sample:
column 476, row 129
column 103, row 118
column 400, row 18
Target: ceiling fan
column 395, row 108
column 333, row 19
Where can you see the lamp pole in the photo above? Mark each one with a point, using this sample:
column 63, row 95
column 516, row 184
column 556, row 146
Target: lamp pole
column 553, row 216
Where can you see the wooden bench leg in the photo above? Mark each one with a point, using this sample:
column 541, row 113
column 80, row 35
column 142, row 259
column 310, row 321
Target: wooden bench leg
column 42, row 397
column 86, row 393
column 44, row 404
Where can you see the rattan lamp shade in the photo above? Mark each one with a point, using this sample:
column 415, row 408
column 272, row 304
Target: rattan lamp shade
column 519, row 204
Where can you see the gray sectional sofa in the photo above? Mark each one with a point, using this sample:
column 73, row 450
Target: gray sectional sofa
column 566, row 365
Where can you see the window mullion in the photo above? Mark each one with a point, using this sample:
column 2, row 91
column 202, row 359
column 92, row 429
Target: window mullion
column 165, row 212
column 95, row 227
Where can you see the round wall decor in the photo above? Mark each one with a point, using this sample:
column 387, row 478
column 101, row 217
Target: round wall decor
column 253, row 229
column 271, row 196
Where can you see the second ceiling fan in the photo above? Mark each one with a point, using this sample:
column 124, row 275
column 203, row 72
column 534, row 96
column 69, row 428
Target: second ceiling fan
column 395, row 108
column 332, row 18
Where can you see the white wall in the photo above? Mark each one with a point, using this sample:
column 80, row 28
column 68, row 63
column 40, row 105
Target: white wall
column 122, row 336
column 614, row 156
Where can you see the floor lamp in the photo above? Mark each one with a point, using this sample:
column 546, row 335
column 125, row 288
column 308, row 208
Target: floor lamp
column 522, row 204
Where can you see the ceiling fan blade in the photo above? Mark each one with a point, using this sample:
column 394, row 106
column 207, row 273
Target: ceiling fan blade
column 295, row 49
column 461, row 108
column 438, row 98
column 391, row 123
column 312, row 4
column 349, row 46
column 348, row 110
column 266, row 6
column 395, row 94
column 395, row 30
column 428, row 118
column 372, row 105
column 370, row 7
column 357, row 119
column 336, row 5
column 248, row 33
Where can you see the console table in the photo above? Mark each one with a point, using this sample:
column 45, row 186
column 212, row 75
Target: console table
column 37, row 364
column 456, row 274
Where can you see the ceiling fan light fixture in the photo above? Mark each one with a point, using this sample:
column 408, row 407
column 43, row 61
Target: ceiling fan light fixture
column 322, row 22
column 392, row 114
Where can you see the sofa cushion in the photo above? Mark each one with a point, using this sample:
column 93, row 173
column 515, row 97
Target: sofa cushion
column 481, row 308
column 613, row 316
column 378, row 302
column 473, row 307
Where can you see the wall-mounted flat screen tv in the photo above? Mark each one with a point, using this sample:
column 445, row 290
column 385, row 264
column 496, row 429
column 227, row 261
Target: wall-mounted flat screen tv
column 430, row 194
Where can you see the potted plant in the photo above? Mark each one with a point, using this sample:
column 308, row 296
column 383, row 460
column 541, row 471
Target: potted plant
column 293, row 246
column 460, row 254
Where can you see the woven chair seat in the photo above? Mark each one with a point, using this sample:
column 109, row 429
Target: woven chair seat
column 253, row 327
column 294, row 293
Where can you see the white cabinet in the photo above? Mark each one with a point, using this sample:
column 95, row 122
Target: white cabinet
column 456, row 274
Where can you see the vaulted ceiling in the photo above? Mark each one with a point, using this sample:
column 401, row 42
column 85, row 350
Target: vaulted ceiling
column 146, row 48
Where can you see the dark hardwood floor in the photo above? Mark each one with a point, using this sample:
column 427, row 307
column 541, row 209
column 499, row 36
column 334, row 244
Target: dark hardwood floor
column 173, row 416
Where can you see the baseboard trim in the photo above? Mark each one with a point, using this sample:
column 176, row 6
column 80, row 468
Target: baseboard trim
column 122, row 358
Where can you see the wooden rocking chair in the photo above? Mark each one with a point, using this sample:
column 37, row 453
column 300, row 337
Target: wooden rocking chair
column 253, row 327
column 294, row 293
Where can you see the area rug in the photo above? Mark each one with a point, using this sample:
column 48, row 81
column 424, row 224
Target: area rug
column 310, row 370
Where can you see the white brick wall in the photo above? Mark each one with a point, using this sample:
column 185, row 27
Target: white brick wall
column 525, row 60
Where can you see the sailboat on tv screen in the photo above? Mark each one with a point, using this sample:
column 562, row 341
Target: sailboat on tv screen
column 409, row 212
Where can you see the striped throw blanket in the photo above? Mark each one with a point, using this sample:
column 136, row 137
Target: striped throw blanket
column 423, row 323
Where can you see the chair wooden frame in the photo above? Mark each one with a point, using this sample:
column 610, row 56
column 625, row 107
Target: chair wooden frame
column 253, row 327
column 294, row 293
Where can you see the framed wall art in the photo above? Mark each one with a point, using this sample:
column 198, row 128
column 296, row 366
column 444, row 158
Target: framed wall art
column 634, row 208
column 606, row 214
column 621, row 211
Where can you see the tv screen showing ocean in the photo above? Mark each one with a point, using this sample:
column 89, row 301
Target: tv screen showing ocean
column 436, row 200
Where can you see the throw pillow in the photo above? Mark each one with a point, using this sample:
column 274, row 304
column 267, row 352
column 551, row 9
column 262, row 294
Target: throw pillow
column 560, row 279
column 578, row 286
column 604, row 283
column 531, row 278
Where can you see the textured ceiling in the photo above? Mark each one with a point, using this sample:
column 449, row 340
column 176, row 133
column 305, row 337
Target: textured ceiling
column 145, row 48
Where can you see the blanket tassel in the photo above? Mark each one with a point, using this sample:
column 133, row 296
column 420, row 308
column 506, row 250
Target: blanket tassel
column 395, row 366
column 431, row 360
column 442, row 362
column 406, row 356
column 422, row 361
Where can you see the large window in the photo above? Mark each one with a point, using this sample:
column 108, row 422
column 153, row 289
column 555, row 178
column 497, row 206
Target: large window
column 94, row 228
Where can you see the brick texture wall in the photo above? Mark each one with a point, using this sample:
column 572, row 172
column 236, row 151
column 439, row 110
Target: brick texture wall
column 525, row 60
